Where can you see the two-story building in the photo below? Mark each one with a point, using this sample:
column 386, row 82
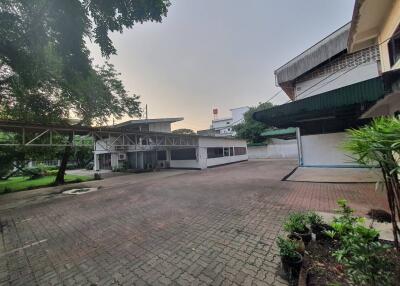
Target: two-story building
column 330, row 89
column 378, row 23
column 149, row 144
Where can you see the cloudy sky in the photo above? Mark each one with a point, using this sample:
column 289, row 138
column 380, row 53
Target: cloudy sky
column 219, row 53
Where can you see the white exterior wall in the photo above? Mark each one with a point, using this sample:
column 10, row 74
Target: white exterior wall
column 325, row 150
column 205, row 142
column 276, row 149
column 224, row 126
column 238, row 114
column 336, row 80
column 392, row 21
column 185, row 164
column 203, row 162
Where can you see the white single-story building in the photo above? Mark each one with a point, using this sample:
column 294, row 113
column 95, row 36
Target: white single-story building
column 149, row 144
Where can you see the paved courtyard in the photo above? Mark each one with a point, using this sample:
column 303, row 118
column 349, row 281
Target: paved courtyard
column 211, row 227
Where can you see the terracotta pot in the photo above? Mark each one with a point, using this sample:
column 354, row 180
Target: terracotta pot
column 291, row 266
column 305, row 236
column 299, row 242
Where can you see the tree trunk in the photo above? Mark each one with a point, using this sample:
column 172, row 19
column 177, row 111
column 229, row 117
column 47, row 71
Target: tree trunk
column 64, row 161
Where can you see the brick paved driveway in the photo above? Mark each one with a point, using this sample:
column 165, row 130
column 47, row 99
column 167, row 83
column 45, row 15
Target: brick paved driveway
column 212, row 227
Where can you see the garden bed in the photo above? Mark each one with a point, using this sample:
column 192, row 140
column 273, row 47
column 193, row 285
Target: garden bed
column 321, row 268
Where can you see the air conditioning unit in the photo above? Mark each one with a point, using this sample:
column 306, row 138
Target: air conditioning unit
column 122, row 157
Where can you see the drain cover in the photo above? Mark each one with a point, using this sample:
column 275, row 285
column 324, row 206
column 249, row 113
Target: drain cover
column 79, row 191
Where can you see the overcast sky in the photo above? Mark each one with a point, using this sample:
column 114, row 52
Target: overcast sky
column 219, row 53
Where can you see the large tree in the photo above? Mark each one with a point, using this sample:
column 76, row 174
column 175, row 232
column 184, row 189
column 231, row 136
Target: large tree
column 46, row 73
column 185, row 131
column 251, row 129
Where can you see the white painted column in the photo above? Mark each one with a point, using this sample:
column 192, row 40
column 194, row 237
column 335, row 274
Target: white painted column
column 299, row 146
column 96, row 165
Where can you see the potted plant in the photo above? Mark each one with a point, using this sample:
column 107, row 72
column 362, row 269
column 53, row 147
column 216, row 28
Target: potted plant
column 317, row 225
column 300, row 247
column 296, row 223
column 291, row 260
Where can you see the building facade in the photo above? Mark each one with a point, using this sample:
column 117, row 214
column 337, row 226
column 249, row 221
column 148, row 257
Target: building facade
column 377, row 23
column 223, row 127
column 330, row 90
column 149, row 144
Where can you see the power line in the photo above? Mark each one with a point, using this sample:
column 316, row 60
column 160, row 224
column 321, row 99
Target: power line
column 275, row 95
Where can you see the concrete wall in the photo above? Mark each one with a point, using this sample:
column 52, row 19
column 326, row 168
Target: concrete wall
column 389, row 27
column 276, row 148
column 325, row 150
column 339, row 79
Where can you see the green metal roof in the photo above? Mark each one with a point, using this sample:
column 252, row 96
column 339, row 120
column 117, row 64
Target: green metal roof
column 278, row 132
column 350, row 100
column 256, row 144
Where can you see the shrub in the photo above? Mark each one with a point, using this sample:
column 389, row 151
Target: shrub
column 296, row 222
column 364, row 257
column 287, row 247
column 314, row 218
column 360, row 252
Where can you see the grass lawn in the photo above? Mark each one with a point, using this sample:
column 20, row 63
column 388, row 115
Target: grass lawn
column 16, row 184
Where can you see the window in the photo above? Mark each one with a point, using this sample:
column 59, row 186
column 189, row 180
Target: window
column 162, row 155
column 215, row 152
column 240, row 151
column 227, row 122
column 231, row 151
column 394, row 48
column 226, row 152
column 183, row 154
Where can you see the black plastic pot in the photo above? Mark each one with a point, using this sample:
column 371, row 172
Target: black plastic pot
column 305, row 236
column 319, row 231
column 292, row 266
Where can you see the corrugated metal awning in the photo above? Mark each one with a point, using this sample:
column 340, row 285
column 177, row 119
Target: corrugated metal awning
column 350, row 98
column 278, row 132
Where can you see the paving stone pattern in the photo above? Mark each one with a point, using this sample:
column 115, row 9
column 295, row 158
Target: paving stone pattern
column 211, row 227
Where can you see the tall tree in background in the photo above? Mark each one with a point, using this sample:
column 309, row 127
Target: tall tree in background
column 186, row 131
column 46, row 73
column 251, row 129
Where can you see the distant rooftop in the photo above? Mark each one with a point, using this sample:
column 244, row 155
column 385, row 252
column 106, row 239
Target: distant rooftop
column 222, row 119
column 147, row 121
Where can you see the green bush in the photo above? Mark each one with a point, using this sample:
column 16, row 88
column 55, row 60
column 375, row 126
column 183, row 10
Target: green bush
column 296, row 222
column 360, row 252
column 314, row 218
column 52, row 172
column 287, row 247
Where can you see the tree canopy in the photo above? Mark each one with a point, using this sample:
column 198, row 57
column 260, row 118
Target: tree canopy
column 251, row 129
column 183, row 131
column 46, row 73
column 45, row 67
